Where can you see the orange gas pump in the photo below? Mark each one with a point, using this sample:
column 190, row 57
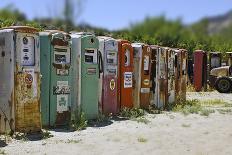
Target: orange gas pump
column 126, row 73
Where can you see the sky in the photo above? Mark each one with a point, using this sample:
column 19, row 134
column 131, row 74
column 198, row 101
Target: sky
column 117, row 14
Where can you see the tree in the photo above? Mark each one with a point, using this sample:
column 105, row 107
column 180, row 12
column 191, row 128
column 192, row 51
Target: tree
column 72, row 11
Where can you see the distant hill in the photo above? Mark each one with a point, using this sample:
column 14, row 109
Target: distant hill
column 218, row 23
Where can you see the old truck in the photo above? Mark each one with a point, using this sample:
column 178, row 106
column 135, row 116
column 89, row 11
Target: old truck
column 221, row 79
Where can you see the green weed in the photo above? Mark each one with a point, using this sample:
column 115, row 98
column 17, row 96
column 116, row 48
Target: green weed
column 80, row 123
column 214, row 102
column 74, row 141
column 224, row 111
column 142, row 120
column 3, row 152
column 132, row 113
column 46, row 134
column 142, row 140
column 206, row 112
column 186, row 125
column 20, row 136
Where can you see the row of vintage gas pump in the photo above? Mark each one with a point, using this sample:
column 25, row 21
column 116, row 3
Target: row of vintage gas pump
column 49, row 78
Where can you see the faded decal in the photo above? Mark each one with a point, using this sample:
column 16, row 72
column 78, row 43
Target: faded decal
column 62, row 72
column 91, row 71
column 146, row 62
column 112, row 84
column 62, row 87
column 62, row 103
column 128, row 80
column 146, row 82
column 31, row 82
column 145, row 90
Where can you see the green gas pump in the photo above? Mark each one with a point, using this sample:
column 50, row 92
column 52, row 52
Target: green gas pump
column 55, row 59
column 86, row 72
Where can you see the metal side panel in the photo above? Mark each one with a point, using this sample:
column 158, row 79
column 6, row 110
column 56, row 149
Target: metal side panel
column 161, row 79
column 101, row 89
column 171, row 77
column 75, row 77
column 157, row 88
column 45, row 49
column 184, row 74
column 153, row 75
column 177, row 75
column 6, row 81
column 137, row 74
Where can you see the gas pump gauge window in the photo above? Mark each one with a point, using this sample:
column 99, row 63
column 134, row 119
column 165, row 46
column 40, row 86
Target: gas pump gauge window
column 146, row 62
column 27, row 48
column 61, row 55
column 60, row 58
column 91, row 56
column 111, row 58
column 127, row 58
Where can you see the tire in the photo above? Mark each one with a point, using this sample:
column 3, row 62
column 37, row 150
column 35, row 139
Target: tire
column 223, row 85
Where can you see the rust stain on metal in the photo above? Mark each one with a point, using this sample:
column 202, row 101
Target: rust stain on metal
column 27, row 104
column 23, row 29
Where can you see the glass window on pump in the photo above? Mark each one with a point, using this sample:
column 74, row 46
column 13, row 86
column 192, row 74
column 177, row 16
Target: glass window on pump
column 127, row 57
column 91, row 56
column 146, row 62
column 27, row 51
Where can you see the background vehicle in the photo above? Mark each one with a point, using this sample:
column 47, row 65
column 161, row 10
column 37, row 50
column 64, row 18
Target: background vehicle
column 221, row 79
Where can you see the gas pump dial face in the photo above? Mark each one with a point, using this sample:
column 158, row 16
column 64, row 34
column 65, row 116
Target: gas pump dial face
column 27, row 49
column 25, row 40
column 91, row 56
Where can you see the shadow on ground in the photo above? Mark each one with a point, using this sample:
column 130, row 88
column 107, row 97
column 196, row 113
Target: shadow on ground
column 2, row 143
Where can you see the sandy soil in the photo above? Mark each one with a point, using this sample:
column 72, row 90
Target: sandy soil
column 167, row 133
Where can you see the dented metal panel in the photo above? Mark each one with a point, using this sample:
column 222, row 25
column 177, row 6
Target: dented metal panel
column 178, row 74
column 154, row 59
column 184, row 70
column 7, row 80
column 171, row 76
column 162, row 78
column 141, row 70
column 24, row 75
column 137, row 67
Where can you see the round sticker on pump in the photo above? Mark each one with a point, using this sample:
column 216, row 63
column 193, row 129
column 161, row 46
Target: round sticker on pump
column 146, row 82
column 112, row 84
column 28, row 79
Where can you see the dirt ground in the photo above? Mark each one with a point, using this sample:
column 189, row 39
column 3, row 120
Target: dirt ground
column 166, row 133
